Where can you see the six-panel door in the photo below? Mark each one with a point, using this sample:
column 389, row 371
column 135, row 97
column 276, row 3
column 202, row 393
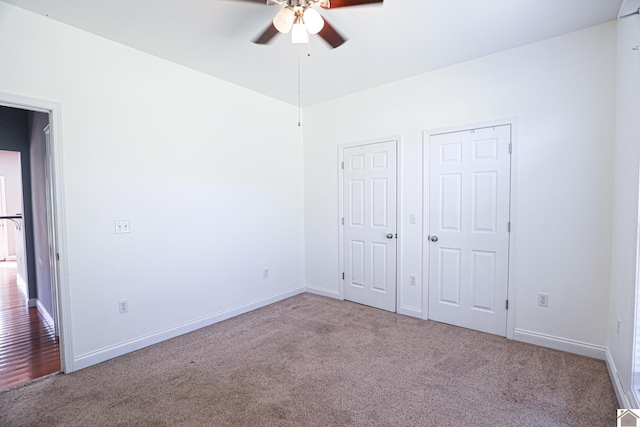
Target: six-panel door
column 370, row 224
column 469, row 190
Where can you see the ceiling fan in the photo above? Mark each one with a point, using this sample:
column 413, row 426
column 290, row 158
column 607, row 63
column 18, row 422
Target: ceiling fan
column 301, row 19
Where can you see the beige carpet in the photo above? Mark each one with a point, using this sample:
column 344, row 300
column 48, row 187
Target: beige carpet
column 314, row 361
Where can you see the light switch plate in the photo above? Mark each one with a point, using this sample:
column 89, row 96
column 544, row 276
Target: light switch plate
column 122, row 227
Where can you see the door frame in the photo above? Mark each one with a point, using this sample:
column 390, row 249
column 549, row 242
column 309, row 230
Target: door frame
column 341, row 149
column 513, row 216
column 55, row 205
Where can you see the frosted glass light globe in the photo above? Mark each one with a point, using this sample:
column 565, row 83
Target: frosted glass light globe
column 313, row 20
column 299, row 34
column 284, row 20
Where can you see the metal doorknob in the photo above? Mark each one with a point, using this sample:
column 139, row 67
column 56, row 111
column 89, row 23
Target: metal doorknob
column 434, row 238
column 389, row 236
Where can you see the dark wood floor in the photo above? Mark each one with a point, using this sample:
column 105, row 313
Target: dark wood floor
column 28, row 346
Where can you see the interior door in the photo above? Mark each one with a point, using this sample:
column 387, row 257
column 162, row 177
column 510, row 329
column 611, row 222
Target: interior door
column 51, row 231
column 469, row 193
column 369, row 206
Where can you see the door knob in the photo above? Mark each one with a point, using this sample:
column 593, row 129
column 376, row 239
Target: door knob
column 389, row 236
column 434, row 238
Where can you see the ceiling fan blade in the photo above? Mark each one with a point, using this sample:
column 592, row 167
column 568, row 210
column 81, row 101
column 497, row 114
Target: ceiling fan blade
column 267, row 35
column 345, row 3
column 331, row 36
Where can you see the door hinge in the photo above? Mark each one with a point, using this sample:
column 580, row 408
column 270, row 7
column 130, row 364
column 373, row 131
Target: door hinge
column 509, row 227
column 57, row 256
column 510, row 148
column 342, row 220
column 342, row 165
column 507, row 305
column 342, row 276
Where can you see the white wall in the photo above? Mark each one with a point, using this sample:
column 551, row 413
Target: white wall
column 10, row 169
column 209, row 175
column 563, row 92
column 625, row 229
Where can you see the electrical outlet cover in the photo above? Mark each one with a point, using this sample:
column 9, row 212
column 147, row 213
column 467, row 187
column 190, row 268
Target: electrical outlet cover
column 543, row 300
column 123, row 306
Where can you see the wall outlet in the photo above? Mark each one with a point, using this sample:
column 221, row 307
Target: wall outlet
column 618, row 327
column 543, row 300
column 413, row 280
column 122, row 227
column 412, row 218
column 265, row 273
column 123, row 306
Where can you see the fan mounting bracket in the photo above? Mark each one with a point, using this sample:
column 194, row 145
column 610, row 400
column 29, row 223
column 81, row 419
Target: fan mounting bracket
column 301, row 3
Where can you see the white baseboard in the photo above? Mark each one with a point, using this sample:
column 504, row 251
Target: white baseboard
column 32, row 302
column 45, row 314
column 623, row 399
column 22, row 285
column 631, row 397
column 103, row 354
column 562, row 344
column 410, row 311
column 322, row 292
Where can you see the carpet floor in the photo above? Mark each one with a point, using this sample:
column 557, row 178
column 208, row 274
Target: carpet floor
column 314, row 361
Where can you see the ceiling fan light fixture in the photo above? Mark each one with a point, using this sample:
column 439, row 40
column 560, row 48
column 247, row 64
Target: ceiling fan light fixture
column 299, row 33
column 283, row 21
column 313, row 21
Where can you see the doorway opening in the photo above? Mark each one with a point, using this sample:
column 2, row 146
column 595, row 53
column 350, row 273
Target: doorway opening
column 29, row 326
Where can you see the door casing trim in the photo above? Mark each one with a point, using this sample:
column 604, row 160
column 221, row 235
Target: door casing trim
column 56, row 201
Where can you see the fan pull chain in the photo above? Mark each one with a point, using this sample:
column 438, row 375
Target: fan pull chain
column 299, row 107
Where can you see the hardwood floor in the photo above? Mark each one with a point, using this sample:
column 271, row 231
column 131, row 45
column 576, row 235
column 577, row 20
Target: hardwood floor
column 28, row 346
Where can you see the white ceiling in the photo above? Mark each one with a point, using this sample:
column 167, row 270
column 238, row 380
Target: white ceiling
column 398, row 39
